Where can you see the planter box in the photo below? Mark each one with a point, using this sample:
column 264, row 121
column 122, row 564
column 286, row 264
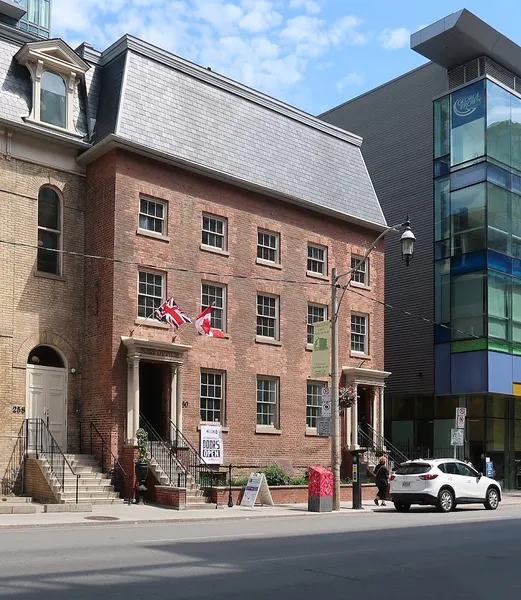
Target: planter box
column 290, row 494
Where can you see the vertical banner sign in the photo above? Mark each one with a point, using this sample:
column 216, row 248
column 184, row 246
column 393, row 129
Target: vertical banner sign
column 212, row 448
column 321, row 349
column 468, row 105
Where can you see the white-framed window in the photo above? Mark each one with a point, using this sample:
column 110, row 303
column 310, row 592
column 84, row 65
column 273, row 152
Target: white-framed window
column 212, row 397
column 53, row 99
column 152, row 215
column 49, row 232
column 268, row 316
column 359, row 334
column 268, row 246
column 316, row 313
column 361, row 275
column 214, row 232
column 215, row 293
column 317, row 259
column 151, row 292
column 268, row 401
column 313, row 403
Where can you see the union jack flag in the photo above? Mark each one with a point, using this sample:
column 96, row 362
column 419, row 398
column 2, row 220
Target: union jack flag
column 172, row 314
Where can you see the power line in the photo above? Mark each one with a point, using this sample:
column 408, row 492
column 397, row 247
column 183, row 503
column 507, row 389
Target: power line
column 235, row 276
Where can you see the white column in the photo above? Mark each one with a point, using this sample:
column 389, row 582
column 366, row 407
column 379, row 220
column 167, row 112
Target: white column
column 354, row 420
column 179, row 399
column 173, row 393
column 376, row 412
column 130, row 399
column 135, row 378
column 382, row 416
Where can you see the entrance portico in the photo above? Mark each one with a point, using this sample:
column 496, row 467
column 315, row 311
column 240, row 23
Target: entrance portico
column 153, row 351
column 372, row 383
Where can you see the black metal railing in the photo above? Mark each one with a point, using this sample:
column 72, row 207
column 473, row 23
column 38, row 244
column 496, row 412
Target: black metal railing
column 367, row 434
column 161, row 452
column 192, row 461
column 40, row 442
column 99, row 448
column 13, row 479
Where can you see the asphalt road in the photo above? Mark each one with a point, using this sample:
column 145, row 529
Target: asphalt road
column 471, row 554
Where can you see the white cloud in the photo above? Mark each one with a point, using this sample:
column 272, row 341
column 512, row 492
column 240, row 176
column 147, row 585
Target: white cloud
column 257, row 42
column 352, row 79
column 394, row 39
column 310, row 6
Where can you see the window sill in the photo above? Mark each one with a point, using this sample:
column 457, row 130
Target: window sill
column 223, row 429
column 268, row 263
column 44, row 275
column 309, row 347
column 311, row 432
column 267, row 429
column 361, row 286
column 152, row 234
column 214, row 250
column 354, row 354
column 317, row 275
column 151, row 322
column 54, row 128
column 268, row 341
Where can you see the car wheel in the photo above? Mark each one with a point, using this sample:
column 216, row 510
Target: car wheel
column 492, row 499
column 445, row 501
column 402, row 506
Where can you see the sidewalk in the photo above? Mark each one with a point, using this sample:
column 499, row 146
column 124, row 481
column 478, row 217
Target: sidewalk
column 136, row 514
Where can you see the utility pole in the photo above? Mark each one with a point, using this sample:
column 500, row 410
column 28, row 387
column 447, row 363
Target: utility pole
column 407, row 244
column 335, row 405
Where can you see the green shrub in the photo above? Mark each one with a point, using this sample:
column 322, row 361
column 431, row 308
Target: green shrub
column 299, row 481
column 276, row 476
column 240, row 481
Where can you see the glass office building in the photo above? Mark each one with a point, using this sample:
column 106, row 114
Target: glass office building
column 477, row 252
column 33, row 16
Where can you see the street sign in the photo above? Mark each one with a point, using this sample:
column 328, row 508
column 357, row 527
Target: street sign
column 321, row 349
column 323, row 426
column 326, row 402
column 461, row 414
column 457, row 437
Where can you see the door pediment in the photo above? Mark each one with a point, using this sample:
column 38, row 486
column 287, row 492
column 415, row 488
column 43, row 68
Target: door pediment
column 154, row 350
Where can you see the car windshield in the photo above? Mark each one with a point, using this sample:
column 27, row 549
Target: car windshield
column 413, row 469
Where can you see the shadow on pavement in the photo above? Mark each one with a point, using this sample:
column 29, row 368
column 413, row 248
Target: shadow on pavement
column 334, row 565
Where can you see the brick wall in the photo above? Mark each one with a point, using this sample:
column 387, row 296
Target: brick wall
column 170, row 496
column 37, row 310
column 36, row 485
column 115, row 184
column 290, row 494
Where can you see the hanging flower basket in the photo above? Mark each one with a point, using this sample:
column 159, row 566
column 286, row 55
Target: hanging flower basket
column 347, row 397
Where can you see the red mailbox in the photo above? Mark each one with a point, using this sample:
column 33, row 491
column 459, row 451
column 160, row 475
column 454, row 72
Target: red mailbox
column 320, row 489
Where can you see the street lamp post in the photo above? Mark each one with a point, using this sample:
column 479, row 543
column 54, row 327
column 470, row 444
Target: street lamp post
column 407, row 245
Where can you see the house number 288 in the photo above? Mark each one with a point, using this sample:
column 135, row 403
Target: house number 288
column 19, row 410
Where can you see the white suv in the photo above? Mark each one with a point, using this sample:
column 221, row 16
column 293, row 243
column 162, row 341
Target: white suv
column 443, row 483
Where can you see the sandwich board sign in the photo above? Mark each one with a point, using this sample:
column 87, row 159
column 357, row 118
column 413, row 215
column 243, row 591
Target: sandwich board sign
column 257, row 489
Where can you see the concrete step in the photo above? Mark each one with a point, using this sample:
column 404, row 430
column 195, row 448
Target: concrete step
column 15, row 500
column 96, row 501
column 69, row 489
column 205, row 506
column 89, row 495
column 17, row 509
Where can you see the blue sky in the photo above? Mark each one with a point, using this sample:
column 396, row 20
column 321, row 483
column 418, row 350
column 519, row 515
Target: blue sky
column 314, row 54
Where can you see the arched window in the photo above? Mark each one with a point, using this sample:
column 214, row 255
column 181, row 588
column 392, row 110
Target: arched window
column 49, row 232
column 53, row 104
column 44, row 356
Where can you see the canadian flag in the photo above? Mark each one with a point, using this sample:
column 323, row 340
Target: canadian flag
column 203, row 324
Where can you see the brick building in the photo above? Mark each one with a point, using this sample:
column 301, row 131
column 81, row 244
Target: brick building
column 132, row 175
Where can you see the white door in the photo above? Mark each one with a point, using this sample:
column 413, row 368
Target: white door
column 474, row 484
column 47, row 400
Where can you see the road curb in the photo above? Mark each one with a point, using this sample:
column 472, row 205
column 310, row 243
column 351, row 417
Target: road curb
column 126, row 521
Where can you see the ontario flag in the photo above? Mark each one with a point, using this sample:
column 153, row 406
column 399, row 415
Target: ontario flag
column 203, row 324
column 172, row 314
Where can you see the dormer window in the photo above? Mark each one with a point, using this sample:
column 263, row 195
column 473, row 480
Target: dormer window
column 53, row 100
column 55, row 71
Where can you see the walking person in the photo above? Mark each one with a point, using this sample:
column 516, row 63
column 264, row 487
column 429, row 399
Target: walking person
column 381, row 475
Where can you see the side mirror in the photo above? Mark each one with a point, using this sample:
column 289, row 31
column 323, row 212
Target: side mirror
column 480, row 475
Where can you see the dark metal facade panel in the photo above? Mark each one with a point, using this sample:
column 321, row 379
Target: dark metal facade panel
column 110, row 90
column 396, row 124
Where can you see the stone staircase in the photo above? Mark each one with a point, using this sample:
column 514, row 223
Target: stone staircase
column 94, row 486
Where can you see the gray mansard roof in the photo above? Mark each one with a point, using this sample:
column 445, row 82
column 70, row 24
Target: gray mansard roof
column 139, row 96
